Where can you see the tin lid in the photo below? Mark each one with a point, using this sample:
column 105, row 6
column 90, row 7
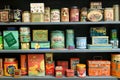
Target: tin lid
column 74, row 7
column 81, row 65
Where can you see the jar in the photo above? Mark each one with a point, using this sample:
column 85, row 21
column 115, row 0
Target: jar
column 26, row 16
column 81, row 42
column 55, row 15
column 81, row 70
column 57, row 39
column 108, row 14
column 64, row 15
column 74, row 14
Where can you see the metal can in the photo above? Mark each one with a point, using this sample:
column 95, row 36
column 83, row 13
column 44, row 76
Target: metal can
column 64, row 15
column 25, row 38
column 57, row 39
column 81, row 70
column 81, row 42
column 83, row 16
column 26, row 16
column 116, row 12
column 24, row 30
column 108, row 14
column 55, row 15
column 74, row 14
column 47, row 14
column 17, row 15
column 25, row 45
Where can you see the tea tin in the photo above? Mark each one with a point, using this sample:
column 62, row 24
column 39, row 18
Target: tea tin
column 26, row 16
column 58, row 71
column 69, row 73
column 65, row 15
column 55, row 15
column 25, row 38
column 83, row 15
column 109, row 14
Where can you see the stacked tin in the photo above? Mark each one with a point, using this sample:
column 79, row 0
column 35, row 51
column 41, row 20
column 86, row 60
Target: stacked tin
column 25, row 37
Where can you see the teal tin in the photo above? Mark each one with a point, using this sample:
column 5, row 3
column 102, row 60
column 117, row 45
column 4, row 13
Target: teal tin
column 57, row 39
column 25, row 38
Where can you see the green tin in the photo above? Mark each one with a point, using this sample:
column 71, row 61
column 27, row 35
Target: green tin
column 25, row 38
column 1, row 42
column 57, row 39
column 11, row 40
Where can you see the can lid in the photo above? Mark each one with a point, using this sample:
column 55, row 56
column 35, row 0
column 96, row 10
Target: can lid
column 81, row 65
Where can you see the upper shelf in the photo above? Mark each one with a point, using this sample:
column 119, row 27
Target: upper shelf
column 59, row 23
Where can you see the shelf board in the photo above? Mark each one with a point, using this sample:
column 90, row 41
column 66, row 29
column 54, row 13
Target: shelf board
column 59, row 23
column 58, row 51
column 63, row 78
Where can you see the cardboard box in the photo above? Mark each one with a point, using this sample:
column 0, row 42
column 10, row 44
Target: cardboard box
column 11, row 39
column 50, row 68
column 36, row 65
column 40, row 35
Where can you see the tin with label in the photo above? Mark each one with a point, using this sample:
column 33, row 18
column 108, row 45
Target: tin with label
column 81, row 42
column 17, row 15
column 109, row 14
column 81, row 70
column 57, row 39
column 26, row 16
column 25, row 38
column 47, row 14
column 116, row 12
column 4, row 17
column 25, row 45
column 55, row 15
column 74, row 14
column 24, row 30
column 83, row 15
column 65, row 15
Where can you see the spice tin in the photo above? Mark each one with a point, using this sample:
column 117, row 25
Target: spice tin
column 26, row 16
column 55, row 15
column 83, row 15
column 24, row 30
column 74, row 14
column 50, row 66
column 47, row 14
column 48, row 57
column 57, row 39
column 69, row 73
column 25, row 38
column 109, row 14
column 17, row 15
column 4, row 17
column 25, row 45
column 116, row 12
column 70, row 39
column 58, row 71
column 17, row 73
column 81, row 42
column 65, row 15
column 81, row 70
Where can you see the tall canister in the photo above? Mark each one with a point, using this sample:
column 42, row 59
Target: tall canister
column 116, row 12
column 65, row 15
column 57, row 39
column 55, row 15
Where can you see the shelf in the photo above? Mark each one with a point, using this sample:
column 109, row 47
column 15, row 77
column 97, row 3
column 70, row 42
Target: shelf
column 58, row 51
column 63, row 78
column 58, row 23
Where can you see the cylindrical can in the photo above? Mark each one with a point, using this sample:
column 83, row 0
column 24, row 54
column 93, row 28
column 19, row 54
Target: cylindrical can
column 26, row 16
column 65, row 15
column 70, row 39
column 25, row 38
column 116, row 12
column 74, row 14
column 57, row 39
column 17, row 15
column 108, row 14
column 55, row 15
column 83, row 15
column 81, row 42
column 81, row 70
column 47, row 14
column 24, row 30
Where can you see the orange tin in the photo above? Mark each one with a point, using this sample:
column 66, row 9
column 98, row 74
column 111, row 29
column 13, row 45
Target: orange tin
column 50, row 68
column 65, row 15
column 81, row 70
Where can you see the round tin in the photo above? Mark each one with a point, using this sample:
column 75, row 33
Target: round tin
column 24, row 30
column 65, row 15
column 47, row 14
column 17, row 15
column 74, row 14
column 81, row 70
column 109, row 14
column 57, row 39
column 55, row 15
column 116, row 12
column 81, row 42
column 26, row 16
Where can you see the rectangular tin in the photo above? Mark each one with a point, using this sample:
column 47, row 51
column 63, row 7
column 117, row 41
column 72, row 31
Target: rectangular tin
column 4, row 16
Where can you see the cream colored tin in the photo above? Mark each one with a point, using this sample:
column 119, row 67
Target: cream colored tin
column 26, row 16
column 108, row 14
column 47, row 14
column 116, row 12
column 55, row 15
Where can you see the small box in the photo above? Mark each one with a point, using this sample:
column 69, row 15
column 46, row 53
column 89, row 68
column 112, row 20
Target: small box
column 99, row 40
column 40, row 45
column 73, row 63
column 48, row 57
column 37, row 17
column 17, row 73
column 59, row 71
column 4, row 17
column 69, row 73
column 37, row 7
column 50, row 68
column 36, row 65
column 40, row 35
column 11, row 40
column 25, row 45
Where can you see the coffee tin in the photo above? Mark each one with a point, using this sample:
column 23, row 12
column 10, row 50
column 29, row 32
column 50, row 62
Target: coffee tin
column 47, row 14
column 55, row 15
column 17, row 15
column 81, row 42
column 109, row 14
column 26, row 16
column 65, row 15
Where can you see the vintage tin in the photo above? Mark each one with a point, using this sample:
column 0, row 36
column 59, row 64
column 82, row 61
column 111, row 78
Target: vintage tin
column 37, row 17
column 74, row 14
column 26, row 16
column 50, row 66
column 65, row 15
column 69, row 73
column 55, row 15
column 108, row 14
column 24, row 30
column 1, row 42
column 115, row 71
column 4, row 17
column 47, row 14
column 57, row 39
column 36, row 65
column 70, row 39
column 83, row 15
column 23, row 64
column 116, row 12
column 81, row 42
column 17, row 73
column 96, row 5
column 58, row 71
column 17, row 15
column 25, row 38
column 81, row 70
column 49, row 57
column 25, row 45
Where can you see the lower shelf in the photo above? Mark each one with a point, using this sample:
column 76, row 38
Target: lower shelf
column 63, row 78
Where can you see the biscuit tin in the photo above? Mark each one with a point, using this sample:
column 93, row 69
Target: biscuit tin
column 69, row 73
column 25, row 45
column 116, row 12
column 4, row 17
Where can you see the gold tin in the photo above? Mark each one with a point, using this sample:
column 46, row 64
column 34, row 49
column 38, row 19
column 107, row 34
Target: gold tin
column 47, row 14
column 55, row 15
column 108, row 14
column 65, row 15
column 37, row 17
column 25, row 45
column 116, row 12
column 26, row 16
